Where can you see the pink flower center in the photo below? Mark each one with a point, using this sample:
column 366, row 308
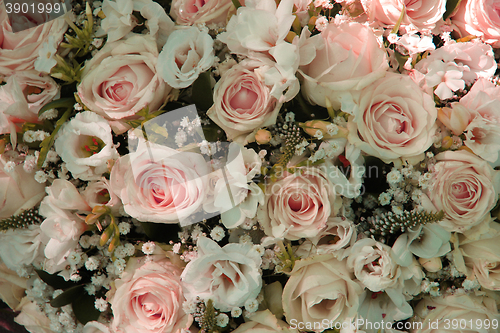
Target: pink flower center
column 243, row 99
column 194, row 6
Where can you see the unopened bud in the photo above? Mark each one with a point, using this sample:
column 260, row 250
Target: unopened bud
column 431, row 265
column 263, row 136
column 447, row 142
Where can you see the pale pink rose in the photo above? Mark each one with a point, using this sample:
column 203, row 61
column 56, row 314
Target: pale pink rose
column 228, row 275
column 32, row 318
column 320, row 287
column 465, row 187
column 481, row 255
column 264, row 321
column 479, row 18
column 423, row 14
column 348, row 57
column 160, row 184
column 121, row 79
column 148, row 299
column 243, row 103
column 12, row 287
column 18, row 190
column 395, row 119
column 22, row 246
column 298, row 205
column 19, row 50
column 24, row 94
column 473, row 312
column 191, row 12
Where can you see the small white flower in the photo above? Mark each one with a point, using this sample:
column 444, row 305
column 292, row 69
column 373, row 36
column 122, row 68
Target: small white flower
column 384, row 198
column 129, row 249
column 92, row 263
column 75, row 277
column 29, row 136
column 236, row 312
column 41, row 135
column 46, row 60
column 290, row 117
column 90, row 289
column 321, row 23
column 148, row 247
column 318, row 135
column 120, row 252
column 394, row 176
column 176, row 248
column 332, row 129
column 222, row 320
column 124, row 228
column 101, row 304
column 49, row 114
column 74, row 258
column 398, row 210
column 41, row 176
column 245, row 239
column 217, row 234
column 189, row 307
column 120, row 265
column 180, row 138
column 97, row 279
column 9, row 166
column 251, row 305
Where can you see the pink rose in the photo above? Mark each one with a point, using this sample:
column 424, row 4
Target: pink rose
column 121, row 79
column 160, row 184
column 465, row 188
column 243, row 103
column 148, row 299
column 423, row 14
column 24, row 94
column 191, row 12
column 298, row 205
column 348, row 57
column 18, row 190
column 395, row 119
column 479, row 18
column 19, row 50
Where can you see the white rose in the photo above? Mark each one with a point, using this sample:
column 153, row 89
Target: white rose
column 19, row 247
column 468, row 310
column 229, row 275
column 12, row 287
column 186, row 54
column 191, row 12
column 320, row 287
column 18, row 190
column 32, row 318
column 264, row 321
column 373, row 265
column 86, row 145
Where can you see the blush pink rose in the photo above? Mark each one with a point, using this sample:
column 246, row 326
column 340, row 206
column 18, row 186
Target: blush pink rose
column 243, row 103
column 160, row 184
column 395, row 119
column 348, row 57
column 121, row 79
column 18, row 190
column 479, row 18
column 24, row 94
column 190, row 12
column 423, row 14
column 298, row 205
column 465, row 187
column 148, row 299
column 19, row 50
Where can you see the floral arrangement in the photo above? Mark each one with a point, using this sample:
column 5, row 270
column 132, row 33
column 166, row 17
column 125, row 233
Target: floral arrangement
column 251, row 166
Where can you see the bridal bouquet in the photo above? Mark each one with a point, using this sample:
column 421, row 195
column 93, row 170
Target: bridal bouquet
column 250, row 165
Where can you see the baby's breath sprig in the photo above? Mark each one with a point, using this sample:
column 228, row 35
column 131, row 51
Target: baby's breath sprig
column 23, row 220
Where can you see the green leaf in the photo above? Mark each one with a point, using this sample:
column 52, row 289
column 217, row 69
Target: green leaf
column 236, row 4
column 202, row 92
column 68, row 296
column 401, row 59
column 84, row 308
column 59, row 103
column 48, row 142
column 54, row 280
column 451, row 6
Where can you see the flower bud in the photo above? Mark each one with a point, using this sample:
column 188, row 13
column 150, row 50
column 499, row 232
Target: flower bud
column 263, row 136
column 431, row 265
